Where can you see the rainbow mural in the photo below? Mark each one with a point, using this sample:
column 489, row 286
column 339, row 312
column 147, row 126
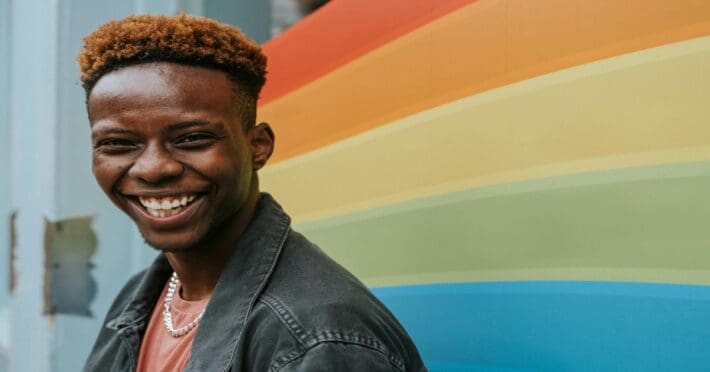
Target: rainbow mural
column 526, row 184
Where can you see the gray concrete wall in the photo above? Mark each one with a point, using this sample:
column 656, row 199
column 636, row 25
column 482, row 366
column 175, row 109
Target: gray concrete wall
column 4, row 183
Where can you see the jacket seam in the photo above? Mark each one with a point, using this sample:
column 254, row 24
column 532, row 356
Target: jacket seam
column 286, row 318
column 280, row 363
column 309, row 340
column 258, row 293
column 269, row 272
column 127, row 345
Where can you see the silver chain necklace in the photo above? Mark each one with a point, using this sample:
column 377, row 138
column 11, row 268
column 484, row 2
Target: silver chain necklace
column 168, row 318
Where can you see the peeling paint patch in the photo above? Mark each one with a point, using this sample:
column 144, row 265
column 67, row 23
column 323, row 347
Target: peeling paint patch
column 69, row 287
column 12, row 268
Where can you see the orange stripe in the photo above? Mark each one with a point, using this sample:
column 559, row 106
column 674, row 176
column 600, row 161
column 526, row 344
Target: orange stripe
column 481, row 46
column 340, row 32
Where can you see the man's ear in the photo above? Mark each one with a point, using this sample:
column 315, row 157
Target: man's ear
column 261, row 139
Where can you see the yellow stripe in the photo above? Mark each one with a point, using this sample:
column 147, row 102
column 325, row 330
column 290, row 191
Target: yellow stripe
column 648, row 107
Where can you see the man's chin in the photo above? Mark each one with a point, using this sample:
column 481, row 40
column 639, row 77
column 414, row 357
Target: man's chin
column 168, row 245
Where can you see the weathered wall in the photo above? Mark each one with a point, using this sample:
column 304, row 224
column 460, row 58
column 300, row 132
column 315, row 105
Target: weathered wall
column 4, row 181
column 45, row 172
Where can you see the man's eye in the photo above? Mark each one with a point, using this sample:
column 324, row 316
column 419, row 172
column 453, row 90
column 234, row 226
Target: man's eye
column 114, row 145
column 195, row 140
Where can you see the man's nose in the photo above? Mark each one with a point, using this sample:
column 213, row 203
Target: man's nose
column 155, row 164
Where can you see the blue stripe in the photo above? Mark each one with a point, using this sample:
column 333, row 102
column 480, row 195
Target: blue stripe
column 556, row 326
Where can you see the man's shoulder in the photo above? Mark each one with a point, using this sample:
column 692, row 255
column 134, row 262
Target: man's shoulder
column 306, row 278
column 316, row 301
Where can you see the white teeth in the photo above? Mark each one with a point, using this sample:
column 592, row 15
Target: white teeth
column 168, row 206
column 164, row 213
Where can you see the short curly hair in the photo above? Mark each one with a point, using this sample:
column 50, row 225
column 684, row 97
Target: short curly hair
column 183, row 39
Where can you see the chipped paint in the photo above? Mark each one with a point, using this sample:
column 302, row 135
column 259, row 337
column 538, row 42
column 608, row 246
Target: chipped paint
column 69, row 245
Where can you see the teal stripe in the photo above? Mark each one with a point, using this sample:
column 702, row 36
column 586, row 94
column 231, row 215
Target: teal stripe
column 556, row 326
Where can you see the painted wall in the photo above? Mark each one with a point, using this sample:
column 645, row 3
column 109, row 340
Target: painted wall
column 523, row 183
column 4, row 183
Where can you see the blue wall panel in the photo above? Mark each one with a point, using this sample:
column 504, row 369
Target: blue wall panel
column 556, row 326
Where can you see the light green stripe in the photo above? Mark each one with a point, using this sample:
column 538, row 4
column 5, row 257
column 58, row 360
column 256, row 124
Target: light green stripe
column 641, row 224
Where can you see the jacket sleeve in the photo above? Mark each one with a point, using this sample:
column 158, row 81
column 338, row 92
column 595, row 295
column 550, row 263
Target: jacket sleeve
column 336, row 356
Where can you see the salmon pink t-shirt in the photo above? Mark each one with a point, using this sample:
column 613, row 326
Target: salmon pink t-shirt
column 161, row 352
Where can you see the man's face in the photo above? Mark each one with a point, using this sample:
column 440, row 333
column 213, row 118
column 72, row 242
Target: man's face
column 170, row 150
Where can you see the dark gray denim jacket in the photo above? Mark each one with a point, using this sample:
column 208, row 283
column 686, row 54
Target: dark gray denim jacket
column 281, row 304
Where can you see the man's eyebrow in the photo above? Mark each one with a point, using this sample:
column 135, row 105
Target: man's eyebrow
column 110, row 130
column 189, row 123
column 175, row 126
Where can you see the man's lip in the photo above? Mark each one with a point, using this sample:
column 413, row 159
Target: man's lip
column 163, row 194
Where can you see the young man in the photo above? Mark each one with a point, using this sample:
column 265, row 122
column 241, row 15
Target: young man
column 172, row 107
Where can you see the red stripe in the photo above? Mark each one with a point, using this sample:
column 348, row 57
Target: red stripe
column 339, row 32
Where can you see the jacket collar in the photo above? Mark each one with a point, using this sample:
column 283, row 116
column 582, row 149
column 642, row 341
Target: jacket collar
column 244, row 277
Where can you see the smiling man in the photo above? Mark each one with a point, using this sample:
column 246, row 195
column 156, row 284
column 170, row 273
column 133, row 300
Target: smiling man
column 172, row 107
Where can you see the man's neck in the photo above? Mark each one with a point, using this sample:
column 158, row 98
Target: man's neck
column 200, row 269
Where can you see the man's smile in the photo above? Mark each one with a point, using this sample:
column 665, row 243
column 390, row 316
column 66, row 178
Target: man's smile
column 166, row 206
column 166, row 212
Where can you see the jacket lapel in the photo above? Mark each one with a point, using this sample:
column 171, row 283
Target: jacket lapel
column 131, row 323
column 245, row 276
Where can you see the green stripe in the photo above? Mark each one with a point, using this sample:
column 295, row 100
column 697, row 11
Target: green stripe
column 646, row 224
